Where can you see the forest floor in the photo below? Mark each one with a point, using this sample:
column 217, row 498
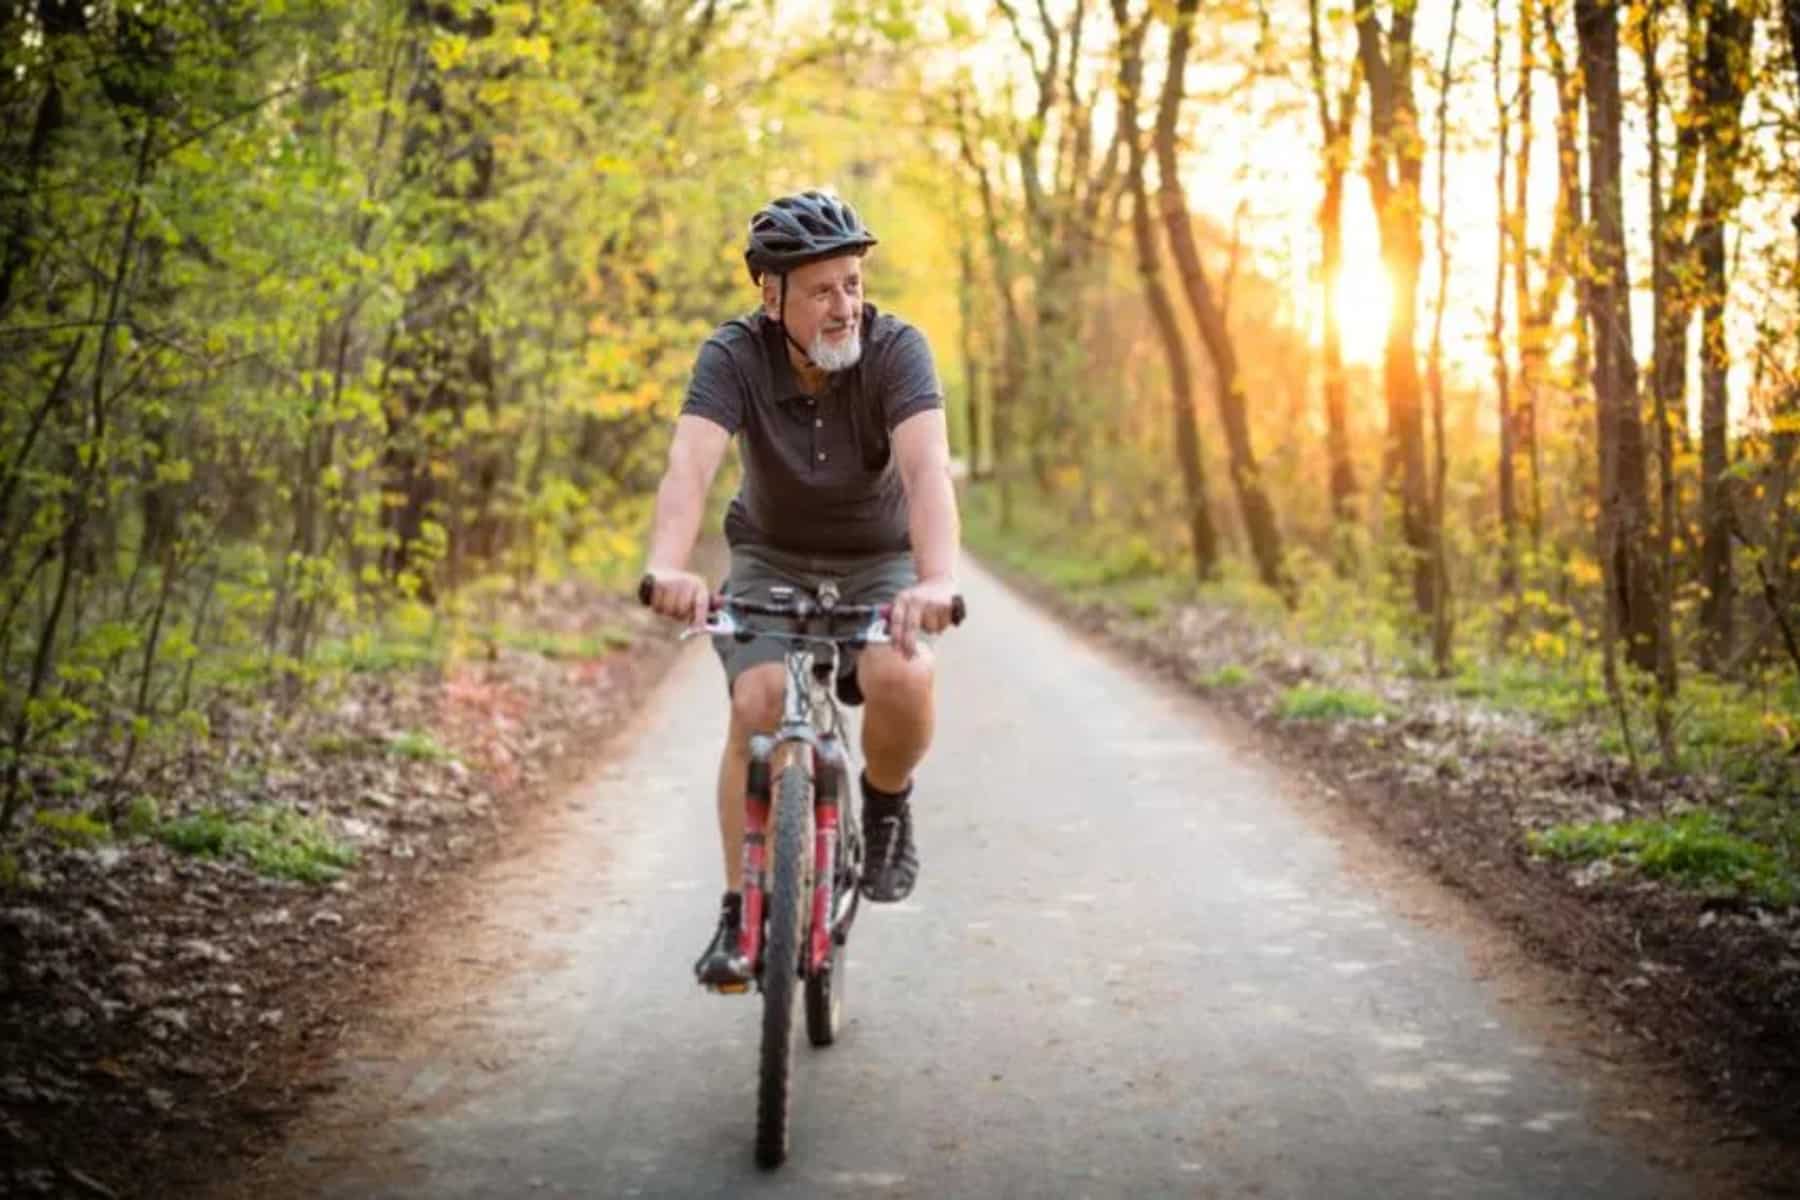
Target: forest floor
column 162, row 1009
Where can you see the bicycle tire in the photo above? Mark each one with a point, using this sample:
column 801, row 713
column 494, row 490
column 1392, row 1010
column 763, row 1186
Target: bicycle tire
column 789, row 901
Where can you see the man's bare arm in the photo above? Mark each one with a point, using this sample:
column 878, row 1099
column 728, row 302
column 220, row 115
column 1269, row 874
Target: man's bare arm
column 694, row 457
column 922, row 447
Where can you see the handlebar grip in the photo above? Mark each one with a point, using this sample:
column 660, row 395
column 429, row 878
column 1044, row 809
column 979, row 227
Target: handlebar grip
column 646, row 594
column 958, row 610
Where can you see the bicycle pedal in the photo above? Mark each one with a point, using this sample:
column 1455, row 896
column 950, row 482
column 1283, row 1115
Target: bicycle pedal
column 728, row 989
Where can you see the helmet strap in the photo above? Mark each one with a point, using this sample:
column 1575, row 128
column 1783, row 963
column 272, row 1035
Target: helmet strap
column 781, row 320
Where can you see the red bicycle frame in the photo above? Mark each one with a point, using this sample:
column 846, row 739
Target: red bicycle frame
column 826, row 764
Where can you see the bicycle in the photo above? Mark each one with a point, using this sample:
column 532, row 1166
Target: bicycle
column 798, row 907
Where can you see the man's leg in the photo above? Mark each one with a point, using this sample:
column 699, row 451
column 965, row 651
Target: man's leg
column 898, row 718
column 898, row 714
column 755, row 708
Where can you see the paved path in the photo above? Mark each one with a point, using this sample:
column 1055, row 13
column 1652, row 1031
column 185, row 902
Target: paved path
column 1131, row 969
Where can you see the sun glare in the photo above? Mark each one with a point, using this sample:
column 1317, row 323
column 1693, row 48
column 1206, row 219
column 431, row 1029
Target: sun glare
column 1363, row 298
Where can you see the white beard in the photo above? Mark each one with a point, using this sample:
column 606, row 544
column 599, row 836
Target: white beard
column 836, row 356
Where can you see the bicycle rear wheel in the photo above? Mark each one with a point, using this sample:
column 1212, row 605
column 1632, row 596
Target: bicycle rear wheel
column 825, row 998
column 790, row 889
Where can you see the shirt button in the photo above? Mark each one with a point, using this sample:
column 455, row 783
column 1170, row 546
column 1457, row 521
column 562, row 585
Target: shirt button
column 821, row 456
column 818, row 422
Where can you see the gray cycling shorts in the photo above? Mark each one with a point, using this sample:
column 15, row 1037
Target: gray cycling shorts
column 861, row 579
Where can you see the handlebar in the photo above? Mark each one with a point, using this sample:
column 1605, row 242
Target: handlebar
column 800, row 607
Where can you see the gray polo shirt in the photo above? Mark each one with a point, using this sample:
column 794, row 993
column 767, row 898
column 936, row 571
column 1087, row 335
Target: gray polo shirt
column 819, row 472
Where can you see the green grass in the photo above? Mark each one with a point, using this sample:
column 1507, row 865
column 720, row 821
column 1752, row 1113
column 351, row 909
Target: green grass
column 275, row 842
column 1103, row 565
column 1558, row 697
column 408, row 744
column 1310, row 703
column 417, row 747
column 561, row 645
column 76, row 830
column 1228, row 676
column 335, row 745
column 378, row 654
column 1698, row 849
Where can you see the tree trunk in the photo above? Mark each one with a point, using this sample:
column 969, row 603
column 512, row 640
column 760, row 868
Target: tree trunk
column 1671, row 219
column 1335, row 155
column 1394, row 170
column 1530, row 334
column 1624, row 524
column 973, row 426
column 1004, row 398
column 1186, row 430
column 1246, row 481
column 1568, row 240
column 1667, row 681
column 1729, row 30
column 1503, row 258
column 1442, row 624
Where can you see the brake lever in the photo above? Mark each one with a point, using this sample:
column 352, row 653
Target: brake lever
column 719, row 623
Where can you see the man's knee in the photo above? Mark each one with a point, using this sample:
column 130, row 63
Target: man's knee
column 756, row 698
column 890, row 679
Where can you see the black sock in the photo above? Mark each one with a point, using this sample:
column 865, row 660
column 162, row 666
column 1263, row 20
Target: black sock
column 882, row 802
column 733, row 903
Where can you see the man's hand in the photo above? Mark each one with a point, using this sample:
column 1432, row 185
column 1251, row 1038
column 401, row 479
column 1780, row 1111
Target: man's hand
column 680, row 595
column 923, row 607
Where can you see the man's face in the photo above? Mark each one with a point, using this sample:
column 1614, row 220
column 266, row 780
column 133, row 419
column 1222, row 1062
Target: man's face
column 824, row 309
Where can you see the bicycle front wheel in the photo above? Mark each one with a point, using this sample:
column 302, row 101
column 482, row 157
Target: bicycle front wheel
column 790, row 890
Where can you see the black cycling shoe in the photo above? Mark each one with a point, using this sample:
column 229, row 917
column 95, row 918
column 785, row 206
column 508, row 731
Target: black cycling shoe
column 890, row 863
column 722, row 965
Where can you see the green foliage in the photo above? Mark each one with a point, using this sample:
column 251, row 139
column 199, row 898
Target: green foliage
column 77, row 830
column 1698, row 849
column 11, row 877
column 1310, row 703
column 1358, row 612
column 1127, row 572
column 370, row 653
column 276, row 842
column 308, row 329
column 142, row 818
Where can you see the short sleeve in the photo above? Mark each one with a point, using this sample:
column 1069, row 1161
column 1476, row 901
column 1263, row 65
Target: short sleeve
column 909, row 378
column 714, row 390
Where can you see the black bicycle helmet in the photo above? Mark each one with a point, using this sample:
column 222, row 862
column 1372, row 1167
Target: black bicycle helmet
column 802, row 228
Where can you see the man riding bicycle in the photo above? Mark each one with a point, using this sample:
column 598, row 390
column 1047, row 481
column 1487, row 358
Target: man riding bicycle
column 840, row 426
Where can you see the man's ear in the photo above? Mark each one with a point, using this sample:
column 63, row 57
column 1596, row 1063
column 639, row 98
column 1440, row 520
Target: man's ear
column 771, row 297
